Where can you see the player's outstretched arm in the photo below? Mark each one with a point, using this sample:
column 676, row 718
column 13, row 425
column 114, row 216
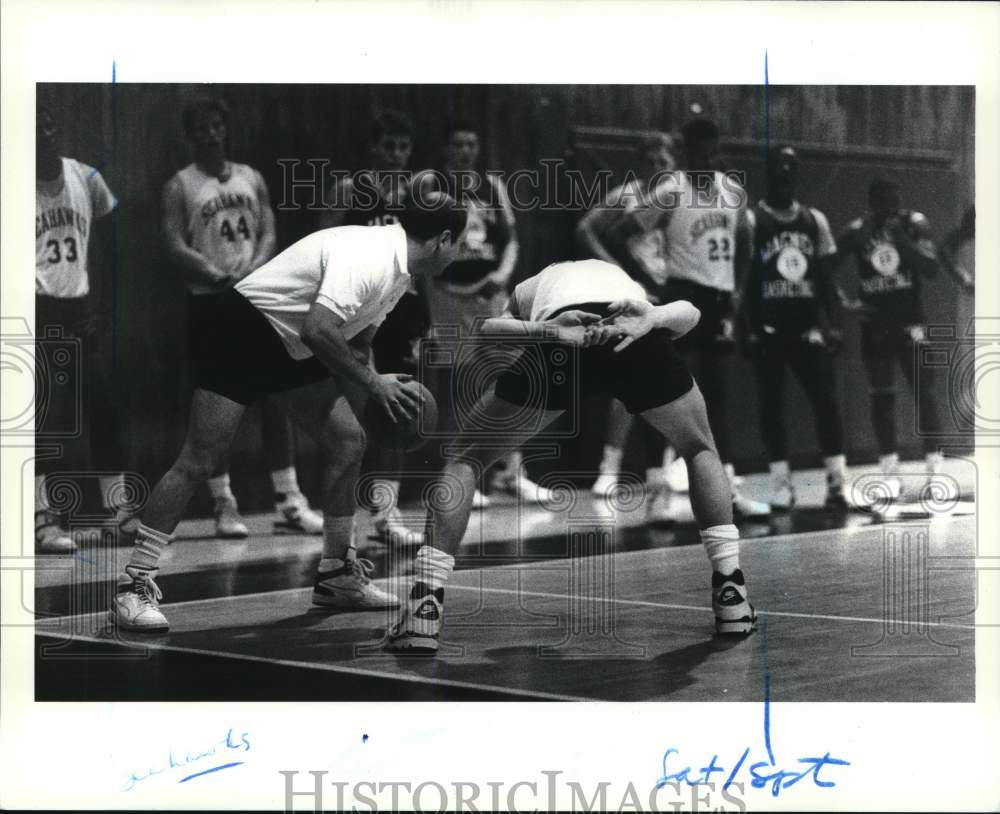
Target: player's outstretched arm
column 322, row 334
column 571, row 327
column 633, row 319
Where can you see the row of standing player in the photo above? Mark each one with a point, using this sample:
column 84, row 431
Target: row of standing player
column 767, row 272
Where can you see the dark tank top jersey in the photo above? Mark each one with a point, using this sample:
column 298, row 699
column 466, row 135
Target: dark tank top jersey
column 885, row 282
column 785, row 270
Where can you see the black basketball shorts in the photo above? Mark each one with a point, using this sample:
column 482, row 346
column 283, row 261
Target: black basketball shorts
column 234, row 351
column 647, row 374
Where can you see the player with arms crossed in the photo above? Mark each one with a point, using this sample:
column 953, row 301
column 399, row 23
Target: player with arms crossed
column 702, row 213
column 218, row 227
column 625, row 351
column 792, row 316
column 646, row 261
column 893, row 251
column 299, row 328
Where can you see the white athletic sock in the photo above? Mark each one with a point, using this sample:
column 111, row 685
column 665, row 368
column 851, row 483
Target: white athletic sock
column 611, row 461
column 889, row 463
column 219, row 487
column 385, row 495
column 669, row 456
column 285, row 481
column 934, row 460
column 780, row 470
column 338, row 542
column 836, row 469
column 722, row 544
column 112, row 491
column 432, row 567
column 730, row 471
column 41, row 495
column 149, row 545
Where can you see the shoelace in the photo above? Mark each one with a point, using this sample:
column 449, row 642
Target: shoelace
column 146, row 589
column 362, row 569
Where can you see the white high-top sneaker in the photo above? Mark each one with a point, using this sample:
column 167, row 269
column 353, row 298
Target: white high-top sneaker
column 350, row 586
column 136, row 606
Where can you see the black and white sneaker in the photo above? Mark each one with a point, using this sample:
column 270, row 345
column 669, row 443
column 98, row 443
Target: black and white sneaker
column 418, row 628
column 734, row 615
column 351, row 587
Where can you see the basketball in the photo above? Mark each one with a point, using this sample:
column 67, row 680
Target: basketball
column 405, row 435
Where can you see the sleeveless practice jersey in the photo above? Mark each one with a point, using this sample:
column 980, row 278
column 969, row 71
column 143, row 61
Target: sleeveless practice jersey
column 489, row 230
column 64, row 211
column 783, row 290
column 223, row 219
column 700, row 230
column 645, row 247
column 886, row 284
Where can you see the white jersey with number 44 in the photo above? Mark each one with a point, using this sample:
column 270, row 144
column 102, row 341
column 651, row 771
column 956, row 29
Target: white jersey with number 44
column 223, row 218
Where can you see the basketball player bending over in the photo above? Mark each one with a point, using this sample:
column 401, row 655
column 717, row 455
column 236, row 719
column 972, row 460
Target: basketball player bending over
column 299, row 328
column 626, row 352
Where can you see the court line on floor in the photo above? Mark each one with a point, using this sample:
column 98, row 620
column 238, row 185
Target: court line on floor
column 677, row 606
column 333, row 668
column 551, row 595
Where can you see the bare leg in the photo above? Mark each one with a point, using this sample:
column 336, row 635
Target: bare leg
column 277, row 435
column 448, row 518
column 685, row 422
column 323, row 412
column 619, row 423
column 213, row 423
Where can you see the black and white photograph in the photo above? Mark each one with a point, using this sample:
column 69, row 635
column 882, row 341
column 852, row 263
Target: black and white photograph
column 348, row 394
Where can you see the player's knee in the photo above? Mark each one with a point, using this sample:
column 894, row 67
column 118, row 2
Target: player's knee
column 345, row 443
column 694, row 440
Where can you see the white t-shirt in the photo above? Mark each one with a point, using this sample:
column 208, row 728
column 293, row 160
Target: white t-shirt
column 358, row 272
column 700, row 227
column 65, row 208
column 573, row 283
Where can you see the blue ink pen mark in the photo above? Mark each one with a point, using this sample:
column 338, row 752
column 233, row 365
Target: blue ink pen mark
column 767, row 717
column 209, row 771
column 364, row 738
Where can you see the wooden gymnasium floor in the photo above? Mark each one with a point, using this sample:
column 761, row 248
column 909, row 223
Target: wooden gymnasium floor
column 584, row 603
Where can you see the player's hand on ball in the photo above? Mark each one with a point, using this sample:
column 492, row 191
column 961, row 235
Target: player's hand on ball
column 399, row 402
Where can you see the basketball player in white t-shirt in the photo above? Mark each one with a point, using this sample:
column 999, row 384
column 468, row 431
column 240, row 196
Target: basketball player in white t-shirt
column 625, row 351
column 702, row 214
column 72, row 203
column 219, row 227
column 299, row 328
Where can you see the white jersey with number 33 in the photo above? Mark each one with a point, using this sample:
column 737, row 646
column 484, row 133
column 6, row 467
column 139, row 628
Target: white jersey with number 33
column 223, row 218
